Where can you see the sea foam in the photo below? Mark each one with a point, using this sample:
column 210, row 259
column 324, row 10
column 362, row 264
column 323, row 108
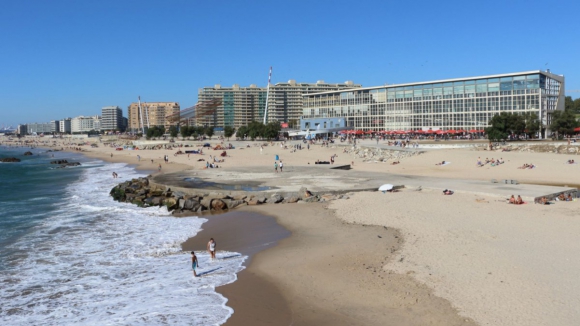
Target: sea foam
column 97, row 261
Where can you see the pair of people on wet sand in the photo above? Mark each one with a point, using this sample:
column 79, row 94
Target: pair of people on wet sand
column 210, row 248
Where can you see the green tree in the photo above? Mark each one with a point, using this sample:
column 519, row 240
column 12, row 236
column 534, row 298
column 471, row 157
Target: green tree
column 229, row 132
column 241, row 132
column 184, row 131
column 271, row 130
column 255, row 130
column 209, row 131
column 563, row 123
column 173, row 131
column 155, row 131
column 533, row 123
column 504, row 124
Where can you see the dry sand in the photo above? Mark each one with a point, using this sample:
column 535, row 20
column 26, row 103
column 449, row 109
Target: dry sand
column 495, row 263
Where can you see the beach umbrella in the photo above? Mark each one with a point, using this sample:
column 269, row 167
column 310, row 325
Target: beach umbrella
column 473, row 131
column 440, row 132
column 430, row 131
column 370, row 132
column 481, row 130
column 460, row 131
column 451, row 131
column 419, row 131
column 359, row 132
column 343, row 132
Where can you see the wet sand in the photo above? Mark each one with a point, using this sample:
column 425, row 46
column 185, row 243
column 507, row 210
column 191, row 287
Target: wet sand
column 327, row 272
column 255, row 300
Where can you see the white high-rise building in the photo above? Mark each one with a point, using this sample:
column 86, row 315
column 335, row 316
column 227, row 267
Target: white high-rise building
column 65, row 126
column 111, row 118
column 84, row 124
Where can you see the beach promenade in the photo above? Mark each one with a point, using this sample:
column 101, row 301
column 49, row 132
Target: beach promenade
column 413, row 257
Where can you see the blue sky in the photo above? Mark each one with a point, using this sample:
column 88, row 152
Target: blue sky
column 68, row 58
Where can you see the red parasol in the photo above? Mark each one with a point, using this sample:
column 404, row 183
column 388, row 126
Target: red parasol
column 577, row 129
column 440, row 132
column 451, row 131
column 473, row 131
column 430, row 131
column 460, row 131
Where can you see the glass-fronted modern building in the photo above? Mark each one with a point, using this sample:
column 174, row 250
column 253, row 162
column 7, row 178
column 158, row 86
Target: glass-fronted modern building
column 462, row 103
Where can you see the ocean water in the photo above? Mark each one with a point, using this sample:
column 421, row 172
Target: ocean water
column 69, row 254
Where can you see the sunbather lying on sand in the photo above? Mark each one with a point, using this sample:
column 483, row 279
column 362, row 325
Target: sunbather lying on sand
column 442, row 163
column 396, row 162
column 448, row 192
column 570, row 161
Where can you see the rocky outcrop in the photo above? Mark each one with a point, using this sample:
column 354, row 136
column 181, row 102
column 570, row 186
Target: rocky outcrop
column 9, row 160
column 140, row 192
column 28, row 153
column 64, row 163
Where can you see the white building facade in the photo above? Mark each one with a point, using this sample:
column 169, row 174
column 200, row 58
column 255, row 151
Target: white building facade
column 451, row 104
column 111, row 118
column 84, row 124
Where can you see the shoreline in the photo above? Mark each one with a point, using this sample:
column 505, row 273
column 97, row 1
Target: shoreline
column 454, row 246
column 325, row 280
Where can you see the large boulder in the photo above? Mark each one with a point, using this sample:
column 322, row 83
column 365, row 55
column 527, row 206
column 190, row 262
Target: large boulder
column 292, row 199
column 171, row 203
column 59, row 162
column 275, row 199
column 190, row 203
column 218, row 204
column 27, row 153
column 304, row 193
column 253, row 201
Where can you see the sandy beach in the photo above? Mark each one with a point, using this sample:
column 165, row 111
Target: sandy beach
column 405, row 258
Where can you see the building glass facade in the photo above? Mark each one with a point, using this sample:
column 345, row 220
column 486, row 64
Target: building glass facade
column 467, row 103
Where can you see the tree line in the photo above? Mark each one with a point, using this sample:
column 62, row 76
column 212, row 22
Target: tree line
column 259, row 130
column 529, row 124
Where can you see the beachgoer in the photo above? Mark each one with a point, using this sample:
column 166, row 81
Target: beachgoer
column 519, row 201
column 211, row 248
column 194, row 263
column 111, row 154
column 569, row 198
column 512, row 200
column 159, row 168
column 139, row 158
column 276, row 166
column 281, row 165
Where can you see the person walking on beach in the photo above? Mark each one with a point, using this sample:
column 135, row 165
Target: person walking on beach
column 276, row 166
column 281, row 165
column 139, row 158
column 194, row 263
column 159, row 167
column 211, row 248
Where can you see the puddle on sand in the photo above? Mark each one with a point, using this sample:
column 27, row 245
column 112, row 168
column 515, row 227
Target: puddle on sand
column 203, row 184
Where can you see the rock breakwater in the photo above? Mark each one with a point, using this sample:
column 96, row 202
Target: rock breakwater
column 143, row 193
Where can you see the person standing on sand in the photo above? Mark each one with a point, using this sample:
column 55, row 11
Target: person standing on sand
column 194, row 263
column 159, row 167
column 281, row 165
column 276, row 166
column 211, row 248
column 139, row 158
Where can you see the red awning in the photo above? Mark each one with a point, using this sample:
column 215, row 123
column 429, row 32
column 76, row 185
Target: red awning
column 430, row 131
column 460, row 131
column 473, row 131
column 577, row 129
column 451, row 131
column 440, row 132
